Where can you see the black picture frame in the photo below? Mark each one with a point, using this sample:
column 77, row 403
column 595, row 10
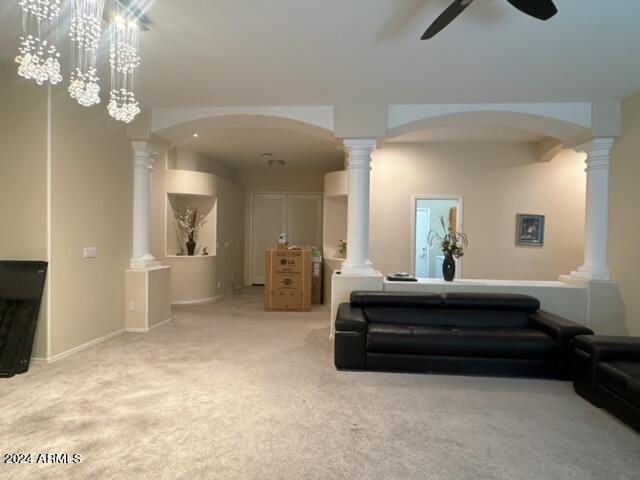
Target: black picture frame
column 530, row 230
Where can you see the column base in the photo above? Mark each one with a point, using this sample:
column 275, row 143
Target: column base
column 357, row 269
column 144, row 263
column 587, row 272
column 147, row 298
column 602, row 300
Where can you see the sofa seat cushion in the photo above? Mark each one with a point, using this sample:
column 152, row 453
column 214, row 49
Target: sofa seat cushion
column 622, row 378
column 514, row 343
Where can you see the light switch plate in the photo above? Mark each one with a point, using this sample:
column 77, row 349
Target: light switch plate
column 90, row 252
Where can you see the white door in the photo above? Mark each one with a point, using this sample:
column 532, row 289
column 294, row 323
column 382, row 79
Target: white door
column 268, row 222
column 423, row 225
column 298, row 214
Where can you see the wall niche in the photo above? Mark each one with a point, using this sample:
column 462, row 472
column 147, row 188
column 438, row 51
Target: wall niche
column 175, row 240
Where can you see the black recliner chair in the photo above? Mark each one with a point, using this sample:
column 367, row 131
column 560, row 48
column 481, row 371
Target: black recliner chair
column 607, row 374
column 453, row 333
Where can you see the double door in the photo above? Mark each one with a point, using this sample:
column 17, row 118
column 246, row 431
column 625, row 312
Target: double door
column 298, row 214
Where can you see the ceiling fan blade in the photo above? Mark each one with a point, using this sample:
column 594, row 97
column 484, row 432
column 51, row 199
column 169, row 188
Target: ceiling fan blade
column 446, row 17
column 540, row 9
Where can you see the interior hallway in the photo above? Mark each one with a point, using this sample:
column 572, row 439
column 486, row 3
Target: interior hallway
column 230, row 391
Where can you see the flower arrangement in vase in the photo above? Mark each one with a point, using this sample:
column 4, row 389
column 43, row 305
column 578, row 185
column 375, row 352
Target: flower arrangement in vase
column 342, row 247
column 190, row 222
column 452, row 244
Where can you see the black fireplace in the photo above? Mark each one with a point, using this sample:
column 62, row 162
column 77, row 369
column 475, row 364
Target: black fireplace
column 21, row 288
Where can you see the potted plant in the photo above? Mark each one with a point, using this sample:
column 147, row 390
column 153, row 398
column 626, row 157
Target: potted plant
column 190, row 222
column 452, row 244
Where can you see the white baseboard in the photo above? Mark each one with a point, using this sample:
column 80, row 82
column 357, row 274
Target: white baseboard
column 160, row 323
column 84, row 346
column 145, row 330
column 215, row 299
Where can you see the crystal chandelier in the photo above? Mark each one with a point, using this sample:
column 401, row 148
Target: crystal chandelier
column 86, row 18
column 124, row 61
column 39, row 58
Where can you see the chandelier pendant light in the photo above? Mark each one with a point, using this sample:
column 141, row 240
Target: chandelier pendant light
column 124, row 60
column 39, row 58
column 86, row 31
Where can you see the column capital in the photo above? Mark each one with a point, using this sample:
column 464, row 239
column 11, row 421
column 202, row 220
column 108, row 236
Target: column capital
column 598, row 152
column 360, row 144
column 141, row 146
column 359, row 152
column 142, row 152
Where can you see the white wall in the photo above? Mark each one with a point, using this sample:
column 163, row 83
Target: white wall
column 23, row 177
column 90, row 176
column 496, row 181
column 92, row 204
column 624, row 256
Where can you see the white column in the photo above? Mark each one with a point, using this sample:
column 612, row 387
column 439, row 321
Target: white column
column 142, row 258
column 596, row 239
column 359, row 168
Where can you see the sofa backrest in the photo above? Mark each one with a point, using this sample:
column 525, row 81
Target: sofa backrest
column 466, row 310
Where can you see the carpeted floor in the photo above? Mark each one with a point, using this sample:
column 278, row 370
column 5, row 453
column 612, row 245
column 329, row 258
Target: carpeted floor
column 228, row 391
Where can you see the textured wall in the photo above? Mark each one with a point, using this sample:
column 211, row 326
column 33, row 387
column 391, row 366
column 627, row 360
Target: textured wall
column 624, row 256
column 496, row 181
column 92, row 198
column 23, row 177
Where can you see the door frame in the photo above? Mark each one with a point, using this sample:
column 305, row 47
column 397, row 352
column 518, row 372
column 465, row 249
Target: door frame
column 414, row 208
column 270, row 192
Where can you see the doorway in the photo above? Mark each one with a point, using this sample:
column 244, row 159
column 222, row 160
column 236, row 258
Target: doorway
column 298, row 214
column 427, row 214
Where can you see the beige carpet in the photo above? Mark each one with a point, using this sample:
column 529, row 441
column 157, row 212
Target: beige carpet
column 227, row 391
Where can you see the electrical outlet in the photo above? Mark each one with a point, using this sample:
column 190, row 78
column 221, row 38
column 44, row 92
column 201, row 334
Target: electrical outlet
column 90, row 252
column 219, row 284
column 132, row 306
column 226, row 244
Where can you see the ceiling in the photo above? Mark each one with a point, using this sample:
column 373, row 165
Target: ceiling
column 325, row 52
column 241, row 146
column 469, row 133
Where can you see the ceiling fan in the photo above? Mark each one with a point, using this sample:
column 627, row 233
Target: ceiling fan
column 540, row 9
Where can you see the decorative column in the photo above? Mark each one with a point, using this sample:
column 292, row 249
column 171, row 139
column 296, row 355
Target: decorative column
column 359, row 168
column 142, row 258
column 596, row 240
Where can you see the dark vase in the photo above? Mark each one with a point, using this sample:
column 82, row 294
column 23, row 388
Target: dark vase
column 448, row 268
column 191, row 247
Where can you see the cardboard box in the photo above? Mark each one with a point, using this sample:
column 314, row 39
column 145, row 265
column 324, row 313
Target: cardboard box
column 288, row 280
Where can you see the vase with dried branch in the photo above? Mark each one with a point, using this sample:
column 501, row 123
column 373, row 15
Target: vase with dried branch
column 452, row 244
column 189, row 222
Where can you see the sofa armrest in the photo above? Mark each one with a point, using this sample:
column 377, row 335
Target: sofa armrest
column 564, row 331
column 350, row 338
column 350, row 319
column 556, row 326
column 601, row 348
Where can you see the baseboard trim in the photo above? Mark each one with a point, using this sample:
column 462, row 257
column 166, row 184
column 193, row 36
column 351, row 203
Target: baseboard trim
column 215, row 299
column 160, row 323
column 146, row 330
column 84, row 346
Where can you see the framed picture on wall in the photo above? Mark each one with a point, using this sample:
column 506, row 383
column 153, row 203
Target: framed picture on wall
column 530, row 230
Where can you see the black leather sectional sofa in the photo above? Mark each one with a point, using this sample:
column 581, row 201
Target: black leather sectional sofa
column 453, row 333
column 607, row 373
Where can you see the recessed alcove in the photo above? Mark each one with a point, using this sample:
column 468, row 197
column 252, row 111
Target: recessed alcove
column 175, row 244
